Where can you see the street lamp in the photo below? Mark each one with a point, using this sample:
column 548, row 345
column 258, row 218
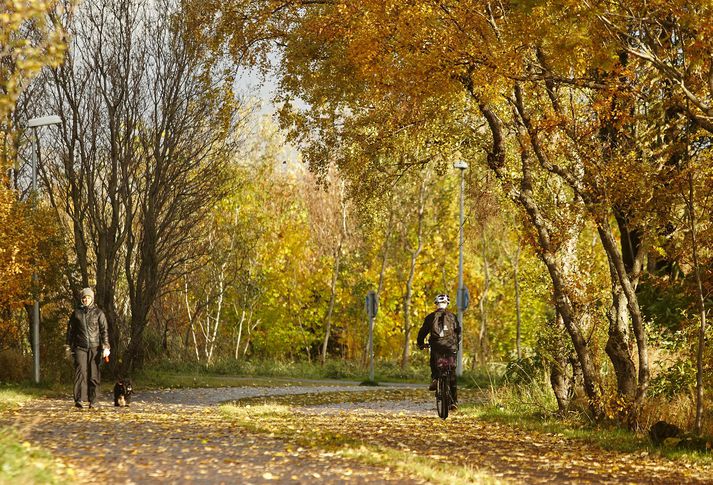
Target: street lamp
column 460, row 299
column 37, row 123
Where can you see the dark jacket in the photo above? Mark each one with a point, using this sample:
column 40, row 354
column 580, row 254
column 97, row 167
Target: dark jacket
column 87, row 328
column 428, row 326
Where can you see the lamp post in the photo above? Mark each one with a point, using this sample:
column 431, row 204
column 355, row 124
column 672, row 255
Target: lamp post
column 460, row 299
column 36, row 123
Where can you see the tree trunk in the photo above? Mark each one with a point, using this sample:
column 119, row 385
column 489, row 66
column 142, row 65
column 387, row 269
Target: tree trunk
column 617, row 347
column 335, row 275
column 382, row 271
column 690, row 203
column 332, row 298
column 628, row 285
column 240, row 332
column 546, row 250
column 415, row 252
column 515, row 268
column 483, row 332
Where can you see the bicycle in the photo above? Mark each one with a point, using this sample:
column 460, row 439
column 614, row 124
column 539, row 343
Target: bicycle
column 446, row 366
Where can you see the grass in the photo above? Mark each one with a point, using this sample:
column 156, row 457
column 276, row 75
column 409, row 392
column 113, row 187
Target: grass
column 256, row 418
column 14, row 395
column 20, row 462
column 166, row 373
column 532, row 408
column 407, row 463
column 333, row 369
column 529, row 409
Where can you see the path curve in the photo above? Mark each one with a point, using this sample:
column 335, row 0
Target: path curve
column 178, row 436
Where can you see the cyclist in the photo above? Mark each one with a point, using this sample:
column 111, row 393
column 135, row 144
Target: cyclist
column 444, row 330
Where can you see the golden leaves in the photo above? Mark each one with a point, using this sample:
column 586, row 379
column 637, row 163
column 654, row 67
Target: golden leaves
column 22, row 57
column 505, row 452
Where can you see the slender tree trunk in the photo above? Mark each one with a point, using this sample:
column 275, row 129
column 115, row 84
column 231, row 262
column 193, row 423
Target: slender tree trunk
column 240, row 331
column 690, row 203
column 382, row 271
column 332, row 298
column 190, row 320
column 251, row 329
column 335, row 274
column 518, row 312
column 213, row 337
column 415, row 252
column 482, row 333
column 407, row 311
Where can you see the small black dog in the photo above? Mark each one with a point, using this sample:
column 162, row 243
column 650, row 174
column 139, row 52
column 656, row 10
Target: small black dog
column 123, row 392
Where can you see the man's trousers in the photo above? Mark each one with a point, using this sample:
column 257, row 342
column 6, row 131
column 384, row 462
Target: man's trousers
column 86, row 374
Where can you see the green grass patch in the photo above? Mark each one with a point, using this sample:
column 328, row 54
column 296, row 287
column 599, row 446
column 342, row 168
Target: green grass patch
column 532, row 408
column 410, row 464
column 230, row 372
column 11, row 398
column 21, row 462
column 14, row 395
column 616, row 439
column 332, row 369
column 277, row 420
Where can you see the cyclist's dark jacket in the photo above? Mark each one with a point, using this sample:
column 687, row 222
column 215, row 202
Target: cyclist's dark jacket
column 428, row 326
column 87, row 328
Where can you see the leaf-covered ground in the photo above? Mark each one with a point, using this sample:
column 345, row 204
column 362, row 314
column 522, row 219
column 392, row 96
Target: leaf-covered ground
column 176, row 443
column 181, row 436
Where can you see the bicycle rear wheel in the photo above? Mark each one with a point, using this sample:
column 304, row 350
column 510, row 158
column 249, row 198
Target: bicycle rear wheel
column 443, row 394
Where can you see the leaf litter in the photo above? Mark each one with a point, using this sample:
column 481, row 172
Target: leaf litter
column 375, row 436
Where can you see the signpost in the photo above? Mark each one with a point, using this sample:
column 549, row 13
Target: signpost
column 372, row 307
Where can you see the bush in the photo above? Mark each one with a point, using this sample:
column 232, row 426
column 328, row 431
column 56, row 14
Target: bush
column 524, row 371
column 676, row 379
column 14, row 366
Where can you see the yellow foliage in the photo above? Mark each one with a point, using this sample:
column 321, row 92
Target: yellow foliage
column 29, row 40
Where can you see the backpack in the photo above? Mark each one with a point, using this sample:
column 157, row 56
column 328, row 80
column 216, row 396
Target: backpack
column 443, row 330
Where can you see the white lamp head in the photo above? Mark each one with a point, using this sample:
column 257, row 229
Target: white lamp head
column 44, row 120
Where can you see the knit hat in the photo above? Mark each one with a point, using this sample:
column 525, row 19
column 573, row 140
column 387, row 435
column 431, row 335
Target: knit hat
column 86, row 292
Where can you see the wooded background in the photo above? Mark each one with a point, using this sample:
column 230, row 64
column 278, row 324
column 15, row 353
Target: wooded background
column 587, row 127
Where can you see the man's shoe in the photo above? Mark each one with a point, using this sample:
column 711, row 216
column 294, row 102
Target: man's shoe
column 434, row 385
column 92, row 405
column 78, row 404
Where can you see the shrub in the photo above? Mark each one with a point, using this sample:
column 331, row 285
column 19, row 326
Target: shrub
column 14, row 366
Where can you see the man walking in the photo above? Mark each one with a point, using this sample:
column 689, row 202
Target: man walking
column 88, row 341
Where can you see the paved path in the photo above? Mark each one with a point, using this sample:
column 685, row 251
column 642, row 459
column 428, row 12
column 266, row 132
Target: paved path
column 178, row 436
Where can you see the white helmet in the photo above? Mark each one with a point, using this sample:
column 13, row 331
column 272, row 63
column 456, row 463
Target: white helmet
column 442, row 298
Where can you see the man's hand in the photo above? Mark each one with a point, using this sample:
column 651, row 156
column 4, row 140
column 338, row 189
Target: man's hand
column 68, row 351
column 105, row 353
